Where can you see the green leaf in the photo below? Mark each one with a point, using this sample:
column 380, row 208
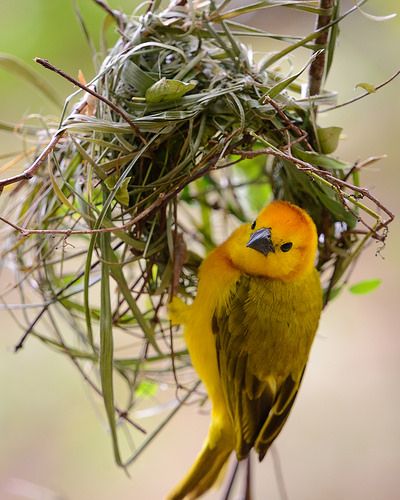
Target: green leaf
column 18, row 67
column 168, row 90
column 304, row 41
column 368, row 87
column 146, row 389
column 320, row 160
column 122, row 193
column 71, row 305
column 250, row 167
column 59, row 193
column 300, row 187
column 334, row 292
column 305, row 6
column 329, row 198
column 365, row 286
column 372, row 17
column 328, row 138
column 135, row 77
column 186, row 196
column 279, row 87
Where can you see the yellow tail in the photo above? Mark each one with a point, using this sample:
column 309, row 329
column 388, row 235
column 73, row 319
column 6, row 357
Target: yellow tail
column 205, row 471
column 178, row 311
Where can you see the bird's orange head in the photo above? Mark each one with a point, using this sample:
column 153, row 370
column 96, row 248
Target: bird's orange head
column 280, row 244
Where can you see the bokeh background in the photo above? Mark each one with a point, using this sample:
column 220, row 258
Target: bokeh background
column 342, row 440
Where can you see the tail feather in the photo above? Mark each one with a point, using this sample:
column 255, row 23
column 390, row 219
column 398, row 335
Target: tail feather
column 204, row 472
column 178, row 311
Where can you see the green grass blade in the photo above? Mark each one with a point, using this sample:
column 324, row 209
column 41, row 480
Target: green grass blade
column 106, row 342
column 266, row 4
column 282, row 85
column 118, row 275
column 320, row 160
column 136, row 78
column 19, row 129
column 333, row 34
column 64, row 349
column 312, row 36
column 86, row 286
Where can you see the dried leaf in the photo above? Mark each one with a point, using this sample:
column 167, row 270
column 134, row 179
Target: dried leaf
column 91, row 101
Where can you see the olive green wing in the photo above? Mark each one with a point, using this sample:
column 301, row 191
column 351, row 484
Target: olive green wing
column 259, row 384
column 277, row 415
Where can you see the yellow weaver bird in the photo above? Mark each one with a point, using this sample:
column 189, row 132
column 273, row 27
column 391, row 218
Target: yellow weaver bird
column 249, row 332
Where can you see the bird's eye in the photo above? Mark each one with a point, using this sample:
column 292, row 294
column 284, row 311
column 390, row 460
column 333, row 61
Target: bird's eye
column 253, row 225
column 286, row 246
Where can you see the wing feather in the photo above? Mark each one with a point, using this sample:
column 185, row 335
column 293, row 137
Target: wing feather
column 260, row 358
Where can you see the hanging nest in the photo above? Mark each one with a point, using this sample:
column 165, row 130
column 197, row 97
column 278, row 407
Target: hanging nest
column 181, row 136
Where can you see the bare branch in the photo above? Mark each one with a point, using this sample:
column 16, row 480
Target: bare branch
column 162, row 199
column 366, row 94
column 90, row 90
column 301, row 134
column 231, row 481
column 317, row 68
column 332, row 181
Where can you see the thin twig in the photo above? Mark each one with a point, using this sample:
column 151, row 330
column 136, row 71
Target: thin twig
column 121, row 413
column 312, row 36
column 115, row 14
column 395, row 75
column 330, row 179
column 89, row 90
column 31, row 171
column 161, row 426
column 358, row 165
column 150, row 6
column 231, row 481
column 301, row 134
column 278, row 473
column 162, row 199
column 54, row 300
column 248, row 490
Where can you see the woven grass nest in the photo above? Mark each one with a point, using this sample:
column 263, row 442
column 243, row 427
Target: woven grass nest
column 180, row 136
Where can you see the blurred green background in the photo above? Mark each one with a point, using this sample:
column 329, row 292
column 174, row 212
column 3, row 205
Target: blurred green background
column 342, row 440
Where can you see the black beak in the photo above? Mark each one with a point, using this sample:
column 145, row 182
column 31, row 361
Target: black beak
column 261, row 241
